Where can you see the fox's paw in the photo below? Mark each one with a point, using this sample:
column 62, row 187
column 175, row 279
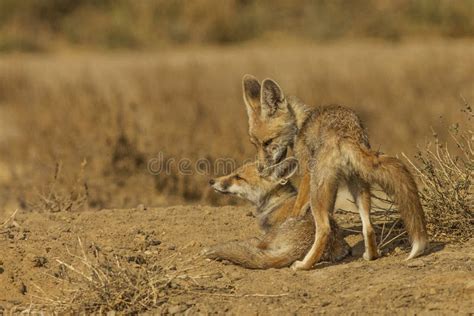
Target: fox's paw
column 300, row 265
column 371, row 255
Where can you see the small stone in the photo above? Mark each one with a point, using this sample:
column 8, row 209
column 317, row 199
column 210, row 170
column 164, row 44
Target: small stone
column 192, row 302
column 140, row 208
column 175, row 309
column 249, row 214
column 415, row 263
column 136, row 259
column 216, row 276
column 235, row 276
column 171, row 247
column 432, row 291
column 172, row 268
column 108, row 249
column 39, row 261
column 428, row 259
column 22, row 288
column 139, row 238
column 470, row 285
column 2, row 270
column 153, row 242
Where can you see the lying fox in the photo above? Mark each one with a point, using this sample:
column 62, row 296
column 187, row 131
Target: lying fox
column 286, row 239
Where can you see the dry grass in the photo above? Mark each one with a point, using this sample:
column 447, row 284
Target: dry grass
column 48, row 24
column 119, row 111
column 445, row 170
column 97, row 282
column 94, row 281
column 386, row 222
column 58, row 196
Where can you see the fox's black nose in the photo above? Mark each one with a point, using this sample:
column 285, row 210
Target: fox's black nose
column 211, row 182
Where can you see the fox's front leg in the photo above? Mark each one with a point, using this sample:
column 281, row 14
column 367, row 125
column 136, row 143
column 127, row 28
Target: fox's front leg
column 323, row 197
column 302, row 199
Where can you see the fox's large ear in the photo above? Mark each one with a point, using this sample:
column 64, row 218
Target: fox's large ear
column 284, row 170
column 271, row 97
column 251, row 88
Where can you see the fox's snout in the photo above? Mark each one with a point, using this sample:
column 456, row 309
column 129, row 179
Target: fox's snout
column 219, row 185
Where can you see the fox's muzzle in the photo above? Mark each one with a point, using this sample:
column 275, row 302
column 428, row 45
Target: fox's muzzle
column 219, row 186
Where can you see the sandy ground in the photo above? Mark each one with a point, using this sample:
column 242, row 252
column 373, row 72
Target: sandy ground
column 442, row 282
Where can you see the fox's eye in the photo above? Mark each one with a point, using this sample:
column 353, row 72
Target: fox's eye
column 237, row 177
column 267, row 142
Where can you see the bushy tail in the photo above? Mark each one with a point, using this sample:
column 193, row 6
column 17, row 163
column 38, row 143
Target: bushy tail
column 248, row 254
column 396, row 180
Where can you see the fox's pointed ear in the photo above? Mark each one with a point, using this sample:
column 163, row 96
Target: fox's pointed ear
column 272, row 97
column 251, row 88
column 284, row 170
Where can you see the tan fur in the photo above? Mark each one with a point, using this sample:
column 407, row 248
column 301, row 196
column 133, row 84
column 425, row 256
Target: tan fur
column 331, row 145
column 286, row 238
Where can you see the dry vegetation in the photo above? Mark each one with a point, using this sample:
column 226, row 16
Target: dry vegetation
column 32, row 25
column 101, row 118
column 99, row 282
column 445, row 170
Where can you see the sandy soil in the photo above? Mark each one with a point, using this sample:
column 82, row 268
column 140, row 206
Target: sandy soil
column 441, row 282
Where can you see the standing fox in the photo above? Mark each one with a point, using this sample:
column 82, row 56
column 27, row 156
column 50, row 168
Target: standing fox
column 286, row 239
column 331, row 145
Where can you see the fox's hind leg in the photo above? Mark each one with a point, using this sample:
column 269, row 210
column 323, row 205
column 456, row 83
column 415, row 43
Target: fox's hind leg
column 360, row 191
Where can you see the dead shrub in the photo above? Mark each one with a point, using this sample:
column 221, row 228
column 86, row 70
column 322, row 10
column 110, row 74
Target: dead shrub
column 445, row 170
column 98, row 282
column 58, row 196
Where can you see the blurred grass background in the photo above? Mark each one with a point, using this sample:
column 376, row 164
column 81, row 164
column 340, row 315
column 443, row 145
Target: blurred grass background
column 43, row 25
column 114, row 83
